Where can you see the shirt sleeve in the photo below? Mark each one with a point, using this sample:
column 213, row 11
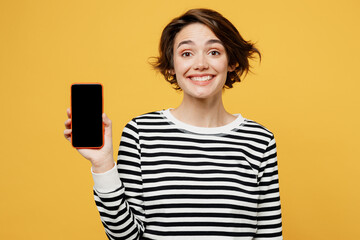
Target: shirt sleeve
column 269, row 209
column 118, row 192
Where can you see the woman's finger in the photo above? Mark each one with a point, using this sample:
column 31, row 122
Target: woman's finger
column 68, row 111
column 106, row 120
column 67, row 134
column 68, row 123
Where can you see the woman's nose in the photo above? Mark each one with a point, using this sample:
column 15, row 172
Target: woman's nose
column 200, row 63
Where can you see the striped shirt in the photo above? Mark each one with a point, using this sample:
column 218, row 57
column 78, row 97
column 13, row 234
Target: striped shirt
column 175, row 181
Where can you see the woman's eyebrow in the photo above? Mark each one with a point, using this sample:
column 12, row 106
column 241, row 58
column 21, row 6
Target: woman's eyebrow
column 211, row 41
column 185, row 42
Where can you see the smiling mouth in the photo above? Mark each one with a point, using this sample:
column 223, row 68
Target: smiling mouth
column 202, row 78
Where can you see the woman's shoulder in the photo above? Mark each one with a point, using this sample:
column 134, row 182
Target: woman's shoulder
column 148, row 117
column 145, row 119
column 254, row 126
column 153, row 114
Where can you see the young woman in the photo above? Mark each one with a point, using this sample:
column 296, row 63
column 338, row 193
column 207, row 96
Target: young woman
column 195, row 171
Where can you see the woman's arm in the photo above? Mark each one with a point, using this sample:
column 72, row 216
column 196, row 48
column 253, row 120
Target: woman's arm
column 269, row 209
column 118, row 192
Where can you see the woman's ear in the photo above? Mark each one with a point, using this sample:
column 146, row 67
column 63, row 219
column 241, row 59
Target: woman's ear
column 171, row 71
column 232, row 67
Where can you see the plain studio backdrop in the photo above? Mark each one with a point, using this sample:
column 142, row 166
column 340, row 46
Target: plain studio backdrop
column 305, row 90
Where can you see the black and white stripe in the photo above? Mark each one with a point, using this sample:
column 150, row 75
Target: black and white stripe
column 180, row 184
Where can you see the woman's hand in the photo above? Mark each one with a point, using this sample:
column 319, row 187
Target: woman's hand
column 101, row 159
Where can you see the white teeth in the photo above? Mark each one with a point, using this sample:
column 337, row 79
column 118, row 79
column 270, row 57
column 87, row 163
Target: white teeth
column 202, row 79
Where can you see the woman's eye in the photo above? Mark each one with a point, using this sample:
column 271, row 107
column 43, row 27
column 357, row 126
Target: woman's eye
column 214, row 53
column 186, row 54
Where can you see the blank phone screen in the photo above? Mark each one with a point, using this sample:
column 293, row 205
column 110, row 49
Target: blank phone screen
column 86, row 115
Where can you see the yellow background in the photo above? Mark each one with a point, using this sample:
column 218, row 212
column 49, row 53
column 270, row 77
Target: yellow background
column 306, row 90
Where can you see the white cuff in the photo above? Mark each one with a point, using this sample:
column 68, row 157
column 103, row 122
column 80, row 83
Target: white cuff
column 108, row 181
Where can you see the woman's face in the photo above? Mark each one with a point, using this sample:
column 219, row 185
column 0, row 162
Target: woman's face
column 200, row 62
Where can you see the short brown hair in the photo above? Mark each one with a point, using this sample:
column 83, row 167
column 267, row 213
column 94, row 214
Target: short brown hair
column 238, row 50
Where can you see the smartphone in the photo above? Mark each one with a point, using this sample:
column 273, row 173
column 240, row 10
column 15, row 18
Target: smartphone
column 86, row 115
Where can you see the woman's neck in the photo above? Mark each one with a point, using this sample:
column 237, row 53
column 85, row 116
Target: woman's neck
column 203, row 112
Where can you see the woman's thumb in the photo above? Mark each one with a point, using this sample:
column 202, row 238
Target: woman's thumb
column 106, row 120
